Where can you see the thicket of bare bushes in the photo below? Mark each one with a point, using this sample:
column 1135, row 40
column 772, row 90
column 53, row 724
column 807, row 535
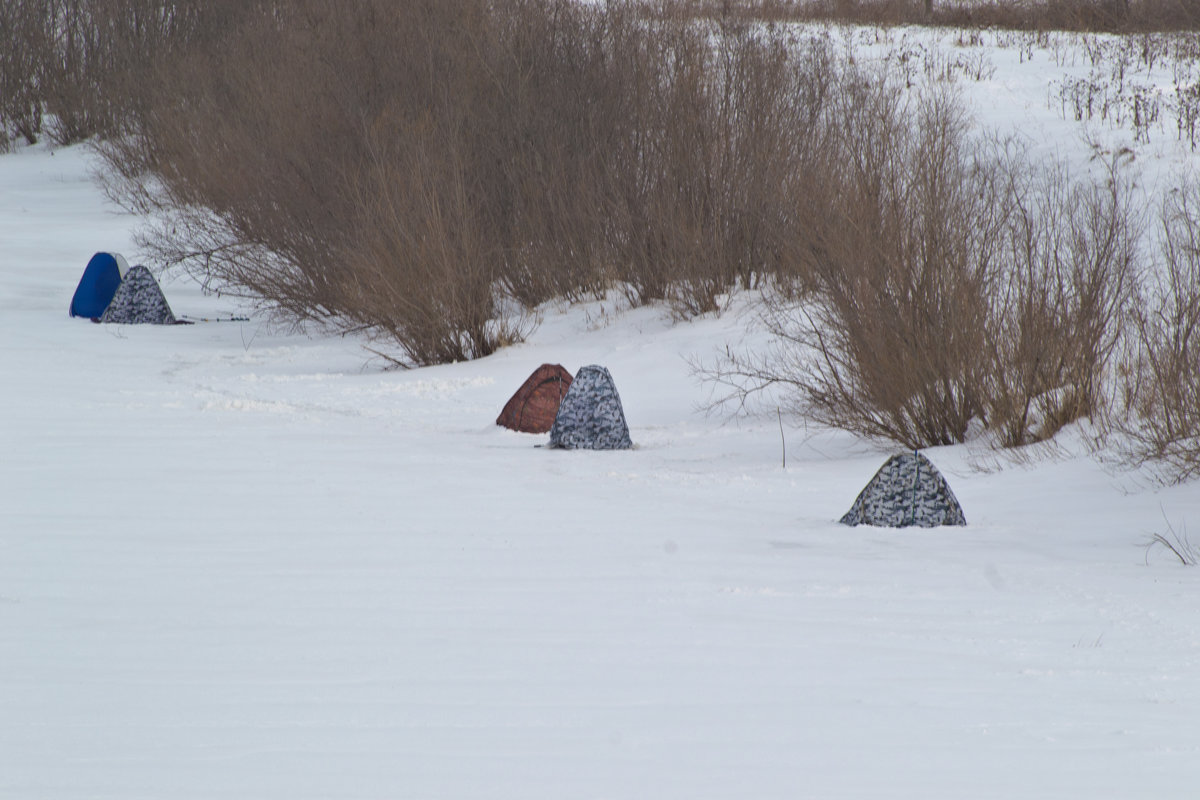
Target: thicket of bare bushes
column 336, row 161
column 409, row 167
column 23, row 33
column 888, row 339
column 72, row 68
column 951, row 281
column 421, row 169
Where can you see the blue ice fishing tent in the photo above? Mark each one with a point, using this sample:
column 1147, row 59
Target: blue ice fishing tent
column 99, row 283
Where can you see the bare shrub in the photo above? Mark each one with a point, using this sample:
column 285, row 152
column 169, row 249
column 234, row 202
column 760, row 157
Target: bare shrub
column 96, row 55
column 901, row 313
column 665, row 208
column 714, row 129
column 322, row 164
column 26, row 36
column 422, row 268
column 948, row 285
column 1069, row 263
column 578, row 132
column 1161, row 373
column 79, row 74
column 1175, row 542
column 890, row 342
column 83, row 62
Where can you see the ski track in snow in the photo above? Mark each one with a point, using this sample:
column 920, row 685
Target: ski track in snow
column 236, row 563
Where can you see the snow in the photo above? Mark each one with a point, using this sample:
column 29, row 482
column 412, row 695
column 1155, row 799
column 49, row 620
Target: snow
column 237, row 562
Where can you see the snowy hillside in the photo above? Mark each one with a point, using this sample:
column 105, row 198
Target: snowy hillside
column 237, row 562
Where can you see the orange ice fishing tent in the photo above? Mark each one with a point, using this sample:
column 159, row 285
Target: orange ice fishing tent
column 533, row 408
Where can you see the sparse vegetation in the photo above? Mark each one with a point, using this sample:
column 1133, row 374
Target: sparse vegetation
column 1176, row 543
column 1111, row 16
column 1118, row 89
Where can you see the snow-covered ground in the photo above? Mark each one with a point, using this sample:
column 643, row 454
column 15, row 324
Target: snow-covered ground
column 240, row 563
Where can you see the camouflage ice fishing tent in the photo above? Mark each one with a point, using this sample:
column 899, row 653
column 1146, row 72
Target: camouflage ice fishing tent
column 138, row 300
column 533, row 408
column 590, row 416
column 907, row 491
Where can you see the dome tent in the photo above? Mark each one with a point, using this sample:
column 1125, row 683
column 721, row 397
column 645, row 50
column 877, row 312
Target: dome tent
column 533, row 408
column 138, row 300
column 590, row 416
column 98, row 284
column 906, row 491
